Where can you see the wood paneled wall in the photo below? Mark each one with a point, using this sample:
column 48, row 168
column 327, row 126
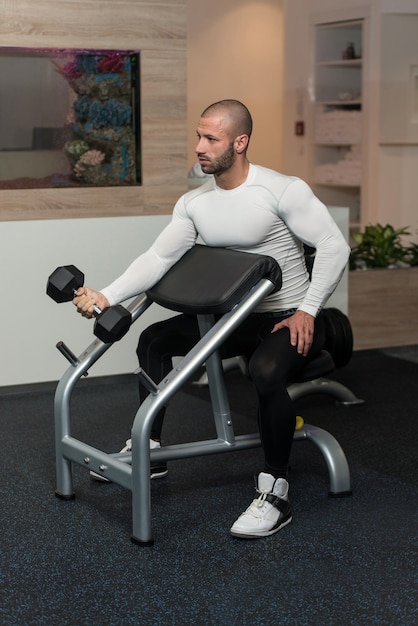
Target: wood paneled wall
column 158, row 30
column 383, row 305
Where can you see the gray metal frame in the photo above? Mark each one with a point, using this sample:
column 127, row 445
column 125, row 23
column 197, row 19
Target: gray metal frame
column 132, row 470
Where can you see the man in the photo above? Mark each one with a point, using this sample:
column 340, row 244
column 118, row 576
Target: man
column 250, row 208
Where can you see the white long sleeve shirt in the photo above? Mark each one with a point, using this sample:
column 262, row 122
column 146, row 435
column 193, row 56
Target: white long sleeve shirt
column 270, row 214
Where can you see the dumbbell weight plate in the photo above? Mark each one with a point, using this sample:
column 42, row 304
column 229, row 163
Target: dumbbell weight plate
column 112, row 323
column 63, row 282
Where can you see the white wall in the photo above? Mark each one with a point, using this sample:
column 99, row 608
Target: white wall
column 235, row 50
column 339, row 298
column 398, row 88
column 31, row 323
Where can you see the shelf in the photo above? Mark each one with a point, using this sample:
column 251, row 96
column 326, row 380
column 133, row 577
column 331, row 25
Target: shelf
column 337, row 144
column 341, row 103
column 341, row 185
column 337, row 116
column 342, row 25
column 341, row 63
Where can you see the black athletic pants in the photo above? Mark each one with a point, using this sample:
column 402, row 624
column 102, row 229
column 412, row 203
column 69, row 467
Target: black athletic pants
column 273, row 362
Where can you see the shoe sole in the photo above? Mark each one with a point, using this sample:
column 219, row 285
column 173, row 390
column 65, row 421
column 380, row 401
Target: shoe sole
column 159, row 473
column 98, row 478
column 258, row 535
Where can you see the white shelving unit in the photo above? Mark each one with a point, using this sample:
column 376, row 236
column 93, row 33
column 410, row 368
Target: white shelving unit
column 338, row 130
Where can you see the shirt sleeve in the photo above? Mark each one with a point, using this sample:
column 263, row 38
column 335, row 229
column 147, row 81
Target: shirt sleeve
column 147, row 269
column 310, row 221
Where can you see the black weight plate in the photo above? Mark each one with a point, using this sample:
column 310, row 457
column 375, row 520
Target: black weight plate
column 343, row 337
column 348, row 337
column 63, row 282
column 339, row 356
column 330, row 334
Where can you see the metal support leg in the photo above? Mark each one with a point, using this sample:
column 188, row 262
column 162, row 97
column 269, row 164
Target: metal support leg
column 68, row 449
column 338, row 470
column 326, row 386
column 62, row 412
column 218, row 394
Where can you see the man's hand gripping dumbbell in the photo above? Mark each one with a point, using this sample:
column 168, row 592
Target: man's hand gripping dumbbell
column 112, row 322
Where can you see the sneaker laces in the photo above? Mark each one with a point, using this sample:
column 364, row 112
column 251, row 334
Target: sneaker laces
column 128, row 445
column 127, row 448
column 257, row 507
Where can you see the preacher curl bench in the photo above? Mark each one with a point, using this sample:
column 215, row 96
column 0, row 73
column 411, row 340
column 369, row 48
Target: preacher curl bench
column 221, row 287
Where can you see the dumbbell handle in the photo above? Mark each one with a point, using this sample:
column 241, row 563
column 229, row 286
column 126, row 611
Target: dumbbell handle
column 96, row 308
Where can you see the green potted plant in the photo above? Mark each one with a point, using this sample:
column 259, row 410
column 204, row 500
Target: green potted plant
column 380, row 246
column 412, row 256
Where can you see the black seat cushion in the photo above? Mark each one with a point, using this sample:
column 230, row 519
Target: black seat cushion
column 213, row 280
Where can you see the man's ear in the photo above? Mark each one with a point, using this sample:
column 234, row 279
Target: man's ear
column 241, row 143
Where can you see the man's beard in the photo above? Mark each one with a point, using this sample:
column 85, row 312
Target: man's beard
column 222, row 163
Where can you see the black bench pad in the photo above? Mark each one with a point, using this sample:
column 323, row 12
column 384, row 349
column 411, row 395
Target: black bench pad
column 212, row 280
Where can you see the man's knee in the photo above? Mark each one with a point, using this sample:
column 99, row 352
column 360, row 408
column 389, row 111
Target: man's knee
column 174, row 336
column 267, row 373
column 148, row 337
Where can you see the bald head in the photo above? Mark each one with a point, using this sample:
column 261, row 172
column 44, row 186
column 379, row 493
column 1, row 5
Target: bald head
column 236, row 116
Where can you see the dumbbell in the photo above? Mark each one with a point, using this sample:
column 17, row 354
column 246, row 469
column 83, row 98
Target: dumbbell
column 111, row 324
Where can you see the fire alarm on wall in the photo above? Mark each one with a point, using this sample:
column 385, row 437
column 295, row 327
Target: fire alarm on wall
column 299, row 128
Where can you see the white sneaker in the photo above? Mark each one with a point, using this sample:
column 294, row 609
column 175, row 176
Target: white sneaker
column 266, row 514
column 157, row 470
